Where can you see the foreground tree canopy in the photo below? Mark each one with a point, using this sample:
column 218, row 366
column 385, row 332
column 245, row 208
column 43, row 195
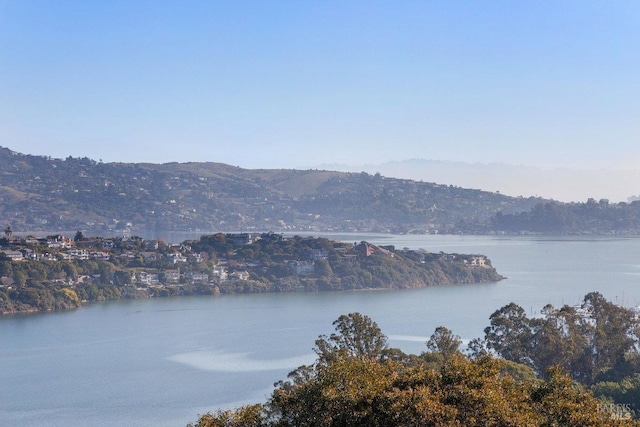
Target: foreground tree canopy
column 520, row 374
column 597, row 340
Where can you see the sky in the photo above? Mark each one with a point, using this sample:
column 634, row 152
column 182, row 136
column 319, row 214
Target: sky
column 286, row 84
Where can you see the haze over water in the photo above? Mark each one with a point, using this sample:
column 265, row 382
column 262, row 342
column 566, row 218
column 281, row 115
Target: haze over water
column 161, row 362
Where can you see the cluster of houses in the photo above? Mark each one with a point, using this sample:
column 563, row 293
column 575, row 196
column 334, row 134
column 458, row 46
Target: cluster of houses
column 60, row 248
column 174, row 277
column 153, row 263
column 57, row 244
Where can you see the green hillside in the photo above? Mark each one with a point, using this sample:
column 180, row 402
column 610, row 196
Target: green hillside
column 43, row 193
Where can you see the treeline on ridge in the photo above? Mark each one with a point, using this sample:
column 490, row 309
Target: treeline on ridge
column 591, row 217
column 44, row 193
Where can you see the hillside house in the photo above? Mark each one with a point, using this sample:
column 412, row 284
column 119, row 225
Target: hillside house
column 100, row 256
column 79, row 254
column 31, row 241
column 58, row 242
column 365, row 248
column 46, row 257
column 318, row 254
column 177, row 257
column 14, row 255
column 479, row 261
column 198, row 277
column 240, row 275
column 150, row 245
column 149, row 256
column 301, row 268
column 241, row 239
column 195, row 257
column 148, row 278
column 172, row 277
column 220, row 273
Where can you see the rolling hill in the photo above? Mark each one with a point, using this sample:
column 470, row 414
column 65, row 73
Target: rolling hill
column 39, row 193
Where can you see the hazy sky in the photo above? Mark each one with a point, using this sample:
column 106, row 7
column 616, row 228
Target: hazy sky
column 290, row 83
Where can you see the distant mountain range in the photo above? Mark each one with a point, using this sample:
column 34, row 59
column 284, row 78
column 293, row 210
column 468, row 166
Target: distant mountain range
column 562, row 184
column 40, row 193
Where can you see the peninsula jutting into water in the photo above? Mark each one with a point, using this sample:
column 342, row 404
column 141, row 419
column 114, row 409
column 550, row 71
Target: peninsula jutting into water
column 56, row 272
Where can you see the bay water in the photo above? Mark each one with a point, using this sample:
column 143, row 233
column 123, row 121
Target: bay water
column 163, row 361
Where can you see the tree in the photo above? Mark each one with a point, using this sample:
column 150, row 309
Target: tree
column 245, row 416
column 598, row 343
column 8, row 231
column 78, row 237
column 443, row 342
column 122, row 278
column 19, row 278
column 560, row 338
column 477, row 347
column 357, row 336
column 344, row 392
column 322, row 268
column 105, row 270
column 624, row 392
column 510, row 333
column 612, row 334
column 357, row 391
column 562, row 402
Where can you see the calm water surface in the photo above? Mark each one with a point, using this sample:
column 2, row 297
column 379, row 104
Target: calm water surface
column 161, row 362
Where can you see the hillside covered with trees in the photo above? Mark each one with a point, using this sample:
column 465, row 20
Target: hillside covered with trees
column 572, row 367
column 592, row 217
column 55, row 272
column 40, row 193
column 46, row 194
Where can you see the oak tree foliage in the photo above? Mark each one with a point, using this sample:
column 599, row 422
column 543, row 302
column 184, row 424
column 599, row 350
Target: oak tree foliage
column 357, row 380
